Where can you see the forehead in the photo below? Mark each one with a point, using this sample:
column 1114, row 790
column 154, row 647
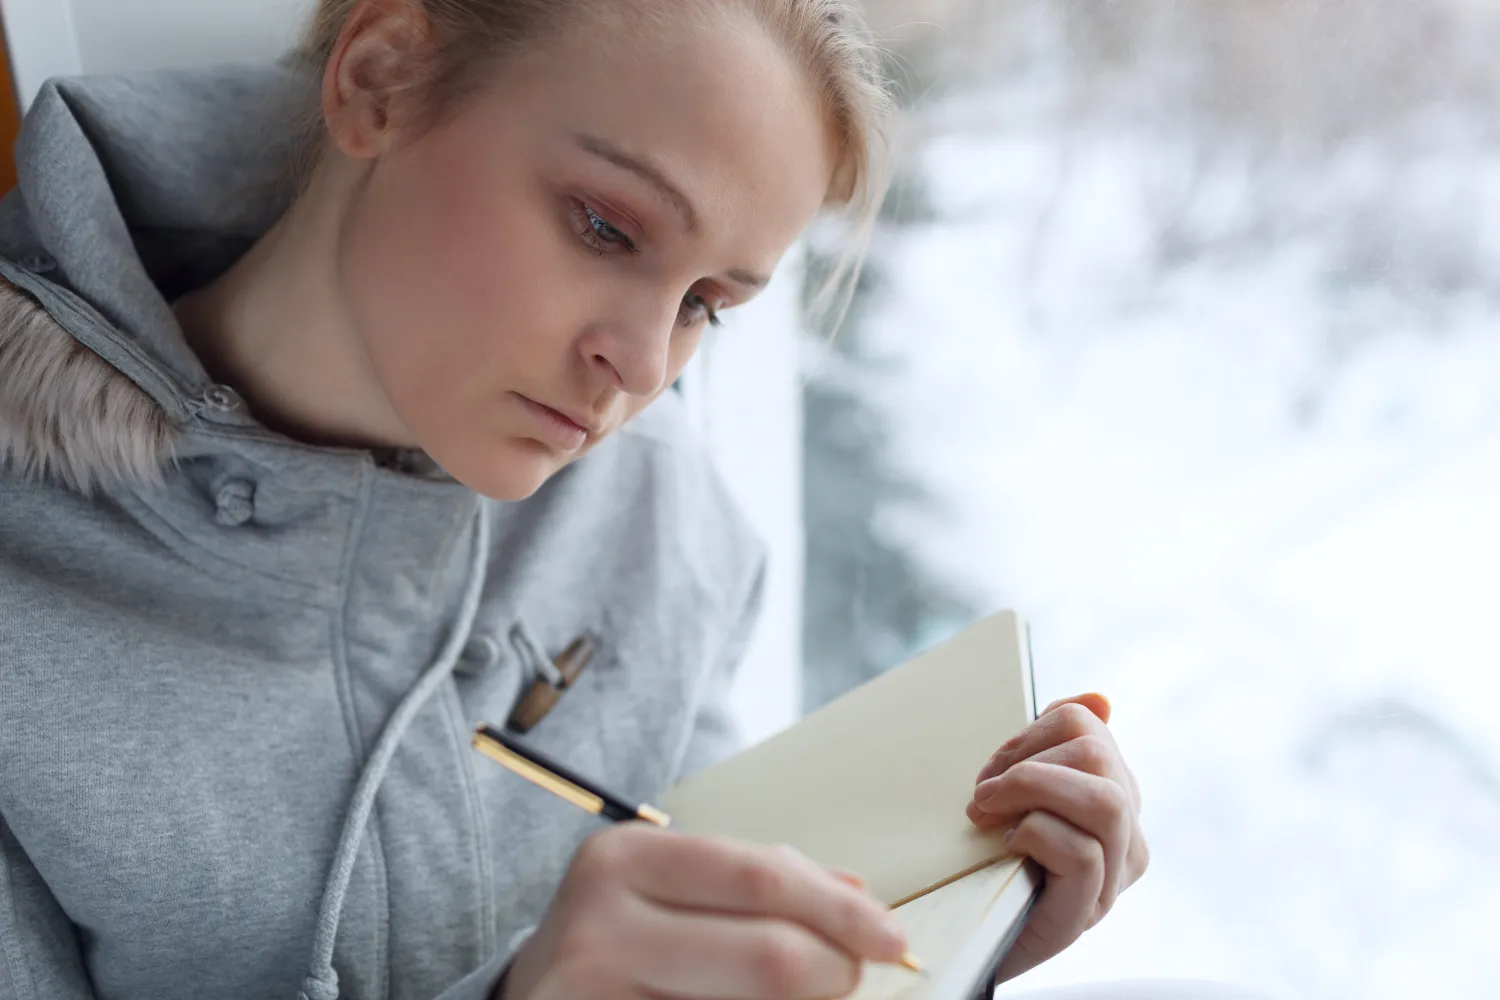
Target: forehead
column 715, row 102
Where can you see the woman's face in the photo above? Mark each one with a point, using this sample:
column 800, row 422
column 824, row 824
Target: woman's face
column 530, row 274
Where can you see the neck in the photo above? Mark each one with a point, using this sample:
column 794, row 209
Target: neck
column 275, row 329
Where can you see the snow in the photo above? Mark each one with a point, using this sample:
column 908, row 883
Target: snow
column 1253, row 494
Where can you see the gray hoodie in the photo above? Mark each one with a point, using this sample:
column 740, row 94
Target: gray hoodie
column 238, row 674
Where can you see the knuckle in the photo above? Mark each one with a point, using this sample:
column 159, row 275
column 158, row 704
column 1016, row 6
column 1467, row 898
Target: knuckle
column 605, row 855
column 1113, row 801
column 1084, row 854
column 787, row 856
column 1092, row 753
column 851, row 918
column 1143, row 855
column 1074, row 720
column 782, row 962
column 596, row 858
column 1028, row 775
column 762, row 884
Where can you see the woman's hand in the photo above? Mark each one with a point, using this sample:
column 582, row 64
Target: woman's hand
column 648, row 913
column 1073, row 807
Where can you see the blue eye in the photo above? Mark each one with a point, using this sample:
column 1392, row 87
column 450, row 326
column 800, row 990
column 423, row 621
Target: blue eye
column 604, row 229
column 597, row 232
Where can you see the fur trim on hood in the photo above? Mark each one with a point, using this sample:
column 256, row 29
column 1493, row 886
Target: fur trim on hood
column 66, row 414
column 131, row 191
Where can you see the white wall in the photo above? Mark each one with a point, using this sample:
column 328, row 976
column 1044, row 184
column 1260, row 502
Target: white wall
column 42, row 41
column 65, row 37
column 745, row 388
column 117, row 35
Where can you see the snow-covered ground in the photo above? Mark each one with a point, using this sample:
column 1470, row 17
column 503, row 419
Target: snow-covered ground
column 1255, row 498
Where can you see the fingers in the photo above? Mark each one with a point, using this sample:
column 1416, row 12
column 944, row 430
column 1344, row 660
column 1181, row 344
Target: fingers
column 1095, row 755
column 1075, row 868
column 1067, row 721
column 1063, row 723
column 1137, row 858
column 692, row 873
column 651, row 913
column 1098, row 806
column 706, row 956
column 1094, row 702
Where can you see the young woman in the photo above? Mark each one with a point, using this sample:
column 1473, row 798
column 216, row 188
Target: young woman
column 303, row 479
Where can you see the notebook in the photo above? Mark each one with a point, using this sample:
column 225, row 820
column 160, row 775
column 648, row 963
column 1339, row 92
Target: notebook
column 877, row 782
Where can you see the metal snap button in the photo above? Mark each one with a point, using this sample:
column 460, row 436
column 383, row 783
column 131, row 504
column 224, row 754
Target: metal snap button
column 221, row 398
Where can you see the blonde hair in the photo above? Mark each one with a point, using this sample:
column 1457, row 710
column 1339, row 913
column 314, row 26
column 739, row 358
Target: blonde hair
column 827, row 38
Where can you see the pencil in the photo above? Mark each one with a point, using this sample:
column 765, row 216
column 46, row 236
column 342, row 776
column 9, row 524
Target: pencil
column 545, row 772
column 540, row 769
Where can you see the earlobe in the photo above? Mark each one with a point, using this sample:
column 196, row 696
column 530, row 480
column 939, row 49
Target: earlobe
column 370, row 74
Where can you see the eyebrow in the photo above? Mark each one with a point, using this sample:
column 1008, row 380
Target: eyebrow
column 646, row 172
column 669, row 192
column 749, row 279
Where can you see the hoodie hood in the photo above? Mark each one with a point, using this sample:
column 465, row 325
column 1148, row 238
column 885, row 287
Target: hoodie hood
column 132, row 190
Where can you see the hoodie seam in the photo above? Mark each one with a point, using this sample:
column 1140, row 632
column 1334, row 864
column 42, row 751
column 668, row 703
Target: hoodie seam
column 17, row 969
column 343, row 682
column 90, row 328
column 488, row 918
column 232, row 434
column 205, row 559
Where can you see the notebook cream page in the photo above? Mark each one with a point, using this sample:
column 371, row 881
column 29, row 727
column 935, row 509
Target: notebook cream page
column 877, row 782
column 955, row 930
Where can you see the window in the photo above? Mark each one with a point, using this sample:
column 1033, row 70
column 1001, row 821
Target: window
column 1179, row 337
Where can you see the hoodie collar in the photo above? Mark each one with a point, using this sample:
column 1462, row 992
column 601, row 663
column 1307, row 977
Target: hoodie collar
column 135, row 189
column 132, row 191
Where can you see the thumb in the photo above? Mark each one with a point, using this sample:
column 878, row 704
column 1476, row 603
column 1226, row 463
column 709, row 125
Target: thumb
column 1094, row 702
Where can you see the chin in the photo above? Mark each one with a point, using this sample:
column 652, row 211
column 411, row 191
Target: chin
column 514, row 471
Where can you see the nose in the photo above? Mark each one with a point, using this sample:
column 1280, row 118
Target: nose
column 632, row 351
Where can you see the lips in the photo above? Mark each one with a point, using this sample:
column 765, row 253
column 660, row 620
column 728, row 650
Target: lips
column 558, row 428
column 588, row 425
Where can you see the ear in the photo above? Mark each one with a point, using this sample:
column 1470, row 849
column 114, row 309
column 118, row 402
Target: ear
column 368, row 85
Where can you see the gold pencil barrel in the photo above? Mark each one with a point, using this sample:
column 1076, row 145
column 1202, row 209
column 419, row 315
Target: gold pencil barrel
column 538, row 775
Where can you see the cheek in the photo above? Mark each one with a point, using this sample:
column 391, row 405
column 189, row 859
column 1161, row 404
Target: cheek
column 446, row 277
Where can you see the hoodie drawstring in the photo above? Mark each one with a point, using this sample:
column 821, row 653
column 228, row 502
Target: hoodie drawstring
column 322, row 982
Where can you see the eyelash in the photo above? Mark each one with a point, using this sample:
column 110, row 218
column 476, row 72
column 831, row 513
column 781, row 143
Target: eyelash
column 588, row 225
column 709, row 312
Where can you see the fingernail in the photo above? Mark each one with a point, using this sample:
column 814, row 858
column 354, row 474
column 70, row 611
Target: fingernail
column 1009, row 836
column 850, row 879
